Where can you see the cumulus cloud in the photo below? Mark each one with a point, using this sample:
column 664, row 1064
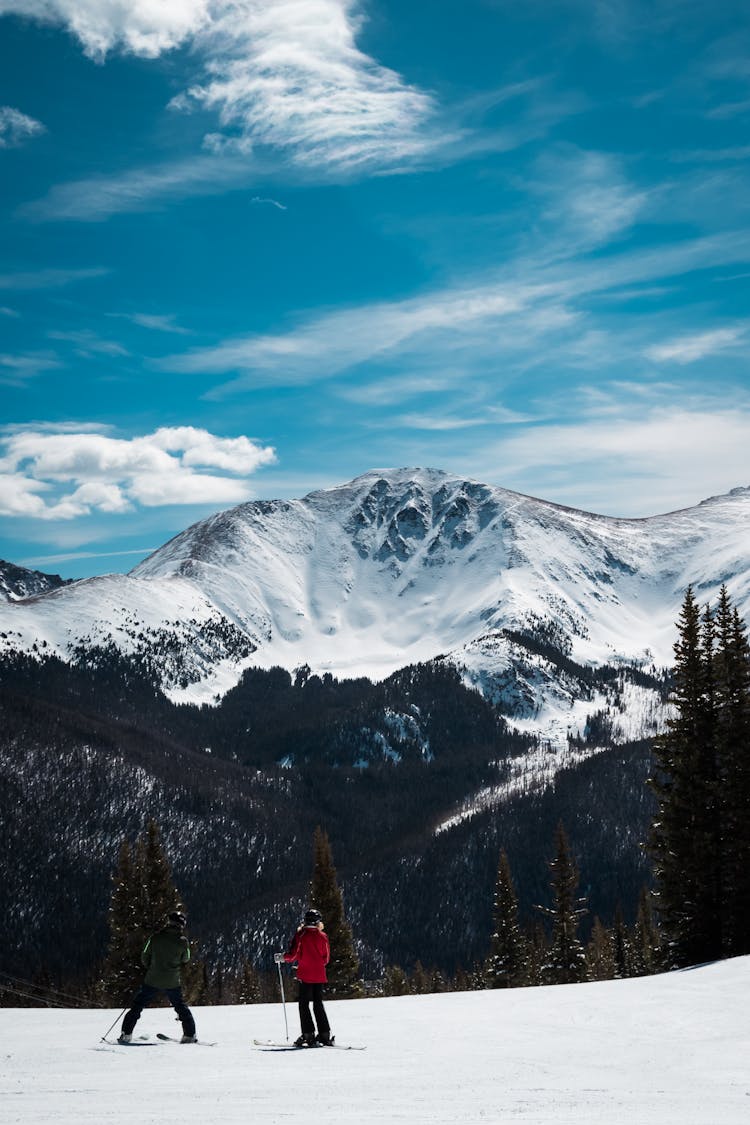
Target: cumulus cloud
column 16, row 127
column 53, row 474
column 280, row 73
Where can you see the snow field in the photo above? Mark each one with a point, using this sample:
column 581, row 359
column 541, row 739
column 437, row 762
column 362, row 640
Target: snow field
column 667, row 1050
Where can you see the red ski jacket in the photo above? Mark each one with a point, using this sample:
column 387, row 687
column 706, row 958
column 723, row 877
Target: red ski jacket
column 312, row 952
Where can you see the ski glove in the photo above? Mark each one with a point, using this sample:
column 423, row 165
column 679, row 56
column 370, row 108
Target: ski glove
column 278, row 958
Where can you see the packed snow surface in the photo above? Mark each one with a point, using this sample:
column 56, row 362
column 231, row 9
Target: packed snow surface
column 667, row 1050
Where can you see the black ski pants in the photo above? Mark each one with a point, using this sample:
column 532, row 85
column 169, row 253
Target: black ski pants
column 145, row 995
column 312, row 994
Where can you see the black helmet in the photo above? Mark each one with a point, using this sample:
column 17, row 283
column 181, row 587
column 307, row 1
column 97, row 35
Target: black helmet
column 177, row 918
column 312, row 917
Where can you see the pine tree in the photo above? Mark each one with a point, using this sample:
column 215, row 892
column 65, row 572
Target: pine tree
column 142, row 896
column 419, row 981
column 537, row 946
column 325, row 896
column 566, row 960
column 732, row 738
column 248, row 989
column 645, row 942
column 122, row 971
column 621, row 946
column 684, row 840
column 159, row 894
column 508, row 963
column 395, row 981
column 600, row 954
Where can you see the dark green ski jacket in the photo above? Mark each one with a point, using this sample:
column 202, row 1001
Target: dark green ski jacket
column 164, row 954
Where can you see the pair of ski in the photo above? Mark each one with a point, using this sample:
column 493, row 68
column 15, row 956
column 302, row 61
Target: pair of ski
column 146, row 1041
column 271, row 1045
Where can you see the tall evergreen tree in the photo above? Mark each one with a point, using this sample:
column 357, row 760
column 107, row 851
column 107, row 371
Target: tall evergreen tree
column 732, row 711
column 325, row 896
column 645, row 944
column 621, row 946
column 122, row 968
column 508, row 963
column 566, row 960
column 143, row 894
column 683, row 841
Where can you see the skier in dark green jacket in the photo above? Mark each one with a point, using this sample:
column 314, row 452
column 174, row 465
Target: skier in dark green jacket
column 163, row 957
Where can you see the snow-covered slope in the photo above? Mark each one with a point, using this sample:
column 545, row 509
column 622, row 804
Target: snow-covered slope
column 401, row 566
column 666, row 1050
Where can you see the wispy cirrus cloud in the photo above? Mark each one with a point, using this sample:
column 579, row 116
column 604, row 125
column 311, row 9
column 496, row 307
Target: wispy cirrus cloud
column 602, row 461
column 17, row 127
column 328, row 344
column 63, row 473
column 690, row 348
column 96, row 198
column 87, row 343
column 155, row 322
column 484, row 324
column 47, row 278
column 17, row 369
column 289, row 74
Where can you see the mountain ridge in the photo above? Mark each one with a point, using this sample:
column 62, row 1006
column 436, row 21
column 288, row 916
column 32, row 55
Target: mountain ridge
column 402, row 566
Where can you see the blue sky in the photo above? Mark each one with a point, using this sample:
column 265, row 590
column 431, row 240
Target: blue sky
column 258, row 247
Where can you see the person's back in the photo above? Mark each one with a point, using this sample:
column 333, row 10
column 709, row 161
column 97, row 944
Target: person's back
column 163, row 957
column 311, row 950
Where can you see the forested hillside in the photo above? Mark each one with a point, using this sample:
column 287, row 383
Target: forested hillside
column 90, row 752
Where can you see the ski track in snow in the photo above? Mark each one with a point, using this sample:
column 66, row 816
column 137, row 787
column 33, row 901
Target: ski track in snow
column 667, row 1050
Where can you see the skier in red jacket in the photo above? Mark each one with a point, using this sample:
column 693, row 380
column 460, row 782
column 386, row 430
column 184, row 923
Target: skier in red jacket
column 312, row 952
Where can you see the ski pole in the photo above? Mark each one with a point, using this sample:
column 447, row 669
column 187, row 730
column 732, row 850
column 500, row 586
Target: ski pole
column 283, row 999
column 106, row 1033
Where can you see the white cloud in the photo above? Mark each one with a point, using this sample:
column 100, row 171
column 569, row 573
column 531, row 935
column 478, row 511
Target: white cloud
column 341, row 339
column 57, row 473
column 142, row 27
column 587, row 196
column 155, row 322
column 288, row 74
column 88, row 343
column 280, row 73
column 15, row 368
column 688, row 349
column 482, row 327
column 95, row 199
column 16, row 127
column 635, row 461
column 48, row 278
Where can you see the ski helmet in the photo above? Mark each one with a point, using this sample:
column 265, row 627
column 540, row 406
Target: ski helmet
column 312, row 917
column 177, row 918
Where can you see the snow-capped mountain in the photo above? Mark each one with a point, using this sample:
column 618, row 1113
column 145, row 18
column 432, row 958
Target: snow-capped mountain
column 401, row 566
column 17, row 582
